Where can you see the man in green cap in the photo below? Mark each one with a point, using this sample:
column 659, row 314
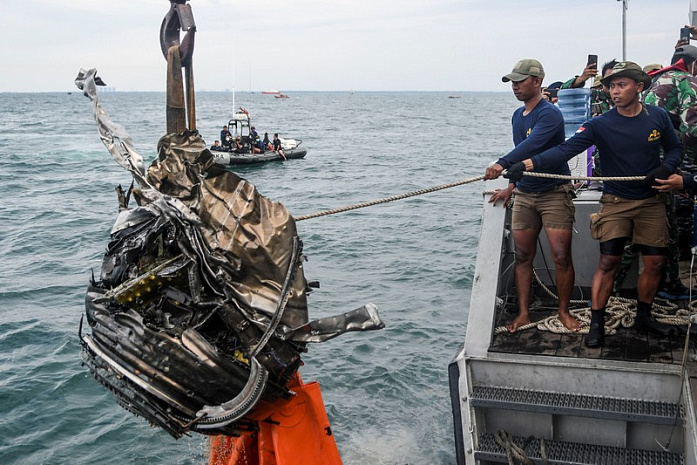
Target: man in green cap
column 537, row 126
column 629, row 138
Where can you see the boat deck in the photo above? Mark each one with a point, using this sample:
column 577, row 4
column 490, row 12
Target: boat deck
column 627, row 345
column 542, row 384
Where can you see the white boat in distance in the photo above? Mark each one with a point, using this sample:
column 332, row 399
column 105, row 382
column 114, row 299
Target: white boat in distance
column 240, row 125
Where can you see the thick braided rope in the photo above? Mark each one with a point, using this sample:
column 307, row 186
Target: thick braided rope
column 388, row 199
column 583, row 178
column 514, row 452
column 455, row 184
column 625, row 312
column 550, row 293
column 620, row 311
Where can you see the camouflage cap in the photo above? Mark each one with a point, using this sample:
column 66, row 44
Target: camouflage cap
column 596, row 82
column 523, row 69
column 652, row 67
column 627, row 69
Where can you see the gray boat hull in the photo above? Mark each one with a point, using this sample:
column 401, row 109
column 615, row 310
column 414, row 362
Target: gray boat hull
column 231, row 158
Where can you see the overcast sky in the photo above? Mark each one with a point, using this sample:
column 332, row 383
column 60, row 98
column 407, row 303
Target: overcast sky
column 424, row 45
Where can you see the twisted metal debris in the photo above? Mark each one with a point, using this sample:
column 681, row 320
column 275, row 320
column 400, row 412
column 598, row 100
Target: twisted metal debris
column 199, row 314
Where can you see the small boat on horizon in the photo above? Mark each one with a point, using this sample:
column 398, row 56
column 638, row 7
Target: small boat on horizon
column 270, row 92
column 281, row 96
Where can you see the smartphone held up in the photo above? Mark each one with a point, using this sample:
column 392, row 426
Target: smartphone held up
column 685, row 34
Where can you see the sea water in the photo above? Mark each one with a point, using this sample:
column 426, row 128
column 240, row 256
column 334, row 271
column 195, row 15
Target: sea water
column 386, row 392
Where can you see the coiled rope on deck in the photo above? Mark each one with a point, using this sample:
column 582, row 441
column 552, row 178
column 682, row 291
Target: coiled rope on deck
column 516, row 453
column 620, row 311
column 462, row 182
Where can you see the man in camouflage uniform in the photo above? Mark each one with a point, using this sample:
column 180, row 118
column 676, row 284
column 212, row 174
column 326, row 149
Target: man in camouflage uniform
column 600, row 95
column 591, row 70
column 600, row 98
column 675, row 89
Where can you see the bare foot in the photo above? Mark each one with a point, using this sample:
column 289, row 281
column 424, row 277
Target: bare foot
column 520, row 320
column 568, row 320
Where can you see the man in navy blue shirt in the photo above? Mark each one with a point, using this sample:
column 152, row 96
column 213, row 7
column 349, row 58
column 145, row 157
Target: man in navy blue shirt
column 538, row 203
column 629, row 139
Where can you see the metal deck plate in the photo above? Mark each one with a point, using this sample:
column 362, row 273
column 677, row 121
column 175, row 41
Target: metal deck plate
column 570, row 453
column 611, row 408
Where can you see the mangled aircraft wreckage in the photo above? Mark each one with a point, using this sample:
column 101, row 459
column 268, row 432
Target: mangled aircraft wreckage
column 199, row 315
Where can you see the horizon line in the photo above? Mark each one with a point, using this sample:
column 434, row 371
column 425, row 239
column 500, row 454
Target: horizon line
column 228, row 91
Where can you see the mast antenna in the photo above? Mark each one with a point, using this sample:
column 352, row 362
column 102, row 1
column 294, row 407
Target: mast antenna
column 625, row 5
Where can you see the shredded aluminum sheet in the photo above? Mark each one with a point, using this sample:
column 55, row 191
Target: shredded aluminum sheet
column 209, row 268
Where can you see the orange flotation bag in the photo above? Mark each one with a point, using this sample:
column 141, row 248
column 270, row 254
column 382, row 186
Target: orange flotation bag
column 291, row 432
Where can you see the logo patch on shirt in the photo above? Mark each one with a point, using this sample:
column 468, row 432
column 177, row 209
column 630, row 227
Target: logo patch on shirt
column 527, row 134
column 655, row 135
column 580, row 130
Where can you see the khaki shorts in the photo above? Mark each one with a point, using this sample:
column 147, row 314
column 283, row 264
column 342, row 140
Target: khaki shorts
column 644, row 220
column 552, row 209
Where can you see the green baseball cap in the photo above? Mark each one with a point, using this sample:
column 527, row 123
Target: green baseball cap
column 523, row 69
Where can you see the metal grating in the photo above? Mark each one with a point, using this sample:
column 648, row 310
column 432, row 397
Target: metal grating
column 571, row 453
column 612, row 408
